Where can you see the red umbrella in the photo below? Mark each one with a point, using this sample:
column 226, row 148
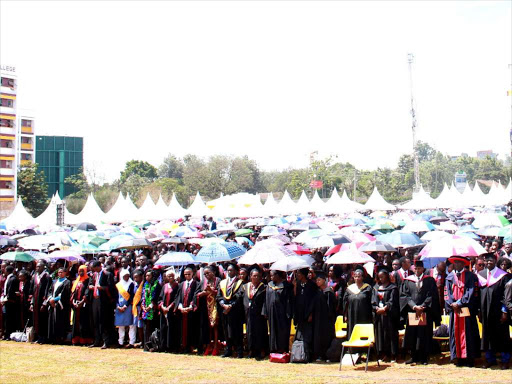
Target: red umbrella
column 299, row 249
column 341, row 247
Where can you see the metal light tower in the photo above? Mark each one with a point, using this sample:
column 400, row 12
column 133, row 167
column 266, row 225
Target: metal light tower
column 410, row 59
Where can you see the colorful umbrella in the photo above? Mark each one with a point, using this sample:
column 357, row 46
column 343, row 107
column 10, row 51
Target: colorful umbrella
column 298, row 249
column 377, row 246
column 177, row 259
column 401, row 239
column 68, row 255
column 265, row 253
column 17, row 256
column 292, row 263
column 490, row 219
column 418, row 226
column 350, row 256
column 269, row 230
column 214, row 253
column 452, row 246
column 243, row 232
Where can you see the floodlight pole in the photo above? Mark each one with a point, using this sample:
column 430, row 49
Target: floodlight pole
column 410, row 59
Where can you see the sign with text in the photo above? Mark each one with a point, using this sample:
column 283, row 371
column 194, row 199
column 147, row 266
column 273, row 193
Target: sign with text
column 316, row 184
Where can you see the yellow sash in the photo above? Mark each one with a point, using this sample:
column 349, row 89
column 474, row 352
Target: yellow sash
column 248, row 289
column 353, row 288
column 224, row 286
column 123, row 291
column 136, row 299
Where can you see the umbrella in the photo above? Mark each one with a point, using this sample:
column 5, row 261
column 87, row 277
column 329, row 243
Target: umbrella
column 352, row 222
column 243, row 232
column 350, row 256
column 38, row 255
column 17, row 256
column 434, row 235
column 505, row 231
column 213, row 253
column 244, row 240
column 278, row 221
column 284, row 239
column 489, row 231
column 309, row 235
column 68, row 255
column 6, row 242
column 303, row 227
column 292, row 263
column 326, row 241
column 401, row 239
column 85, row 249
column 377, row 246
column 339, row 248
column 134, row 243
column 269, row 230
column 490, row 219
column 86, row 227
column 471, row 235
column 298, row 249
column 234, row 249
column 265, row 253
column 382, row 227
column 418, row 226
column 175, row 240
column 177, row 258
column 187, row 232
column 452, row 246
column 448, row 226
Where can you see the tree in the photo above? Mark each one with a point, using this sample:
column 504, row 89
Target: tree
column 32, row 189
column 425, row 151
column 134, row 185
column 79, row 184
column 172, row 168
column 138, row 168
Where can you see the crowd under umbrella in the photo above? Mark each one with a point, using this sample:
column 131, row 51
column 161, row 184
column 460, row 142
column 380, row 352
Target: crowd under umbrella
column 340, row 247
column 490, row 219
column 265, row 254
column 401, row 239
column 440, row 250
column 326, row 241
column 269, row 230
column 377, row 246
column 67, row 255
column 215, row 253
column 505, row 231
column 7, row 242
column 24, row 257
column 175, row 240
column 434, row 235
column 489, row 231
column 298, row 249
column 419, row 226
column 292, row 263
column 176, row 259
column 350, row 256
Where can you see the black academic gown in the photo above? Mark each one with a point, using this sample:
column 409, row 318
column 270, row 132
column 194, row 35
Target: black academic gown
column 58, row 316
column 256, row 324
column 205, row 334
column 39, row 291
column 82, row 330
column 304, row 304
column 12, row 306
column 324, row 320
column 495, row 334
column 103, row 306
column 357, row 306
column 278, row 309
column 418, row 339
column 188, row 321
column 508, row 300
column 25, row 314
column 169, row 323
column 232, row 322
column 387, row 324
column 339, row 291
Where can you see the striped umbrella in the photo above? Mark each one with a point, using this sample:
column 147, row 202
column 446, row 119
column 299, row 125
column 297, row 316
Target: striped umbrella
column 401, row 239
column 215, row 253
column 176, row 259
column 452, row 246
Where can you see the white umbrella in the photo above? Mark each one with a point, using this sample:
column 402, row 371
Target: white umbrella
column 292, row 263
column 434, row 235
column 265, row 254
column 350, row 256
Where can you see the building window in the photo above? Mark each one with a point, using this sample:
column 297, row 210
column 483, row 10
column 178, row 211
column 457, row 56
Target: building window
column 26, row 123
column 6, row 123
column 6, row 144
column 6, row 82
column 6, row 103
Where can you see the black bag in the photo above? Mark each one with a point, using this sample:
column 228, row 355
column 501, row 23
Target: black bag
column 334, row 351
column 154, row 341
column 299, row 352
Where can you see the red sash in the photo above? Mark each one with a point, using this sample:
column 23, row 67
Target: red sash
column 459, row 322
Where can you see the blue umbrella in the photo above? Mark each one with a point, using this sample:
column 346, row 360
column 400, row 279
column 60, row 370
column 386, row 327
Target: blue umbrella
column 234, row 249
column 213, row 253
column 469, row 234
column 176, row 259
column 401, row 239
column 352, row 222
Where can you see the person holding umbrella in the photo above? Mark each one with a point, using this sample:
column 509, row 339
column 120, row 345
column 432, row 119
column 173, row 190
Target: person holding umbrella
column 461, row 303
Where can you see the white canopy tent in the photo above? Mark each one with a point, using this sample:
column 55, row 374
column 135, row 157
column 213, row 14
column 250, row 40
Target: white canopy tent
column 174, row 209
column 91, row 213
column 286, row 206
column 377, row 203
column 198, row 208
column 19, row 218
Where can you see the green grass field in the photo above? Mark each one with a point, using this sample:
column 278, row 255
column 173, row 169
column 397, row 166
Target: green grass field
column 30, row 363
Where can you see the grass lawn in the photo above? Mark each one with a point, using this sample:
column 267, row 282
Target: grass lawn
column 30, row 363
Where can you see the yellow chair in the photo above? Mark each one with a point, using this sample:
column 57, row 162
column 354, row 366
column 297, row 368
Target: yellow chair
column 341, row 328
column 511, row 331
column 362, row 336
column 292, row 330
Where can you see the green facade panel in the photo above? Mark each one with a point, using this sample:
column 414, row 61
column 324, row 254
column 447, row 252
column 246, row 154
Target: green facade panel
column 59, row 157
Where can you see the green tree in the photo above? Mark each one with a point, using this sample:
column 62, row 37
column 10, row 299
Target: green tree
column 79, row 184
column 425, row 151
column 138, row 168
column 32, row 189
column 172, row 167
column 134, row 185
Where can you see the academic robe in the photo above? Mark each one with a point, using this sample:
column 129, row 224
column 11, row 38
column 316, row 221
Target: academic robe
column 278, row 309
column 357, row 306
column 324, row 320
column 186, row 297
column 39, row 292
column 207, row 310
column 82, row 329
column 464, row 334
column 508, row 300
column 399, row 276
column 253, row 299
column 124, row 319
column 58, row 316
column 104, row 296
column 169, row 323
column 11, row 305
column 419, row 292
column 339, row 288
column 232, row 322
column 495, row 334
column 305, row 295
column 24, row 290
column 387, row 324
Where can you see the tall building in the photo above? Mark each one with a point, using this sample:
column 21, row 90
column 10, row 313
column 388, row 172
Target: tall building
column 8, row 139
column 26, row 143
column 484, row 154
column 59, row 157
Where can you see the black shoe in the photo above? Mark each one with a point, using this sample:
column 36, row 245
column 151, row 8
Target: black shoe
column 240, row 355
column 410, row 361
column 258, row 358
column 227, row 354
column 488, row 365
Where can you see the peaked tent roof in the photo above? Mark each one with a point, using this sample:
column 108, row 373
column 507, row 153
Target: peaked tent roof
column 347, row 205
column 303, row 205
column 174, row 209
column 160, row 208
column 198, row 208
column 316, row 204
column 420, row 200
column 147, row 210
column 377, row 203
column 122, row 210
column 91, row 213
column 332, row 205
column 270, row 207
column 287, row 206
column 49, row 216
column 19, row 217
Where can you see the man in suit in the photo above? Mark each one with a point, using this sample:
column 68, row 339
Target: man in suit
column 10, row 301
column 103, row 300
column 41, row 283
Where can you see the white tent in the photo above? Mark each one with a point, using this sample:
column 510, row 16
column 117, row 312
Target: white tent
column 119, row 211
column 270, row 206
column 316, row 204
column 160, row 208
column 347, row 205
column 91, row 213
column 332, row 205
column 147, row 210
column 303, row 204
column 19, row 217
column 49, row 216
column 443, row 200
column 198, row 208
column 236, row 205
column 377, row 203
column 478, row 198
column 175, row 210
column 287, row 206
column 420, row 200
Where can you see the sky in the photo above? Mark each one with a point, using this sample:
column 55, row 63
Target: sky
column 270, row 80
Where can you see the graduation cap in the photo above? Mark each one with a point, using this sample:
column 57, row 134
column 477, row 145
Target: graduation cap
column 419, row 263
column 320, row 275
column 489, row 255
column 464, row 259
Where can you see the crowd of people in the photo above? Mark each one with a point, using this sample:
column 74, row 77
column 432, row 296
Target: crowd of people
column 126, row 300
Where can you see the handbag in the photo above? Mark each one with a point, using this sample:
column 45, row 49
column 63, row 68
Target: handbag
column 279, row 358
column 20, row 336
column 299, row 353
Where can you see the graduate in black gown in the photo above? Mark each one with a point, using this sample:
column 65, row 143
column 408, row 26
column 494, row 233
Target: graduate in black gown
column 24, row 293
column 253, row 298
column 386, row 309
column 305, row 293
column 41, row 283
column 60, row 308
column 82, row 329
column 338, row 284
column 461, row 291
column 186, row 308
column 104, row 297
column 495, row 329
column 208, row 311
column 169, row 324
column 357, row 303
column 232, row 312
column 324, row 317
column 419, row 296
column 278, row 309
